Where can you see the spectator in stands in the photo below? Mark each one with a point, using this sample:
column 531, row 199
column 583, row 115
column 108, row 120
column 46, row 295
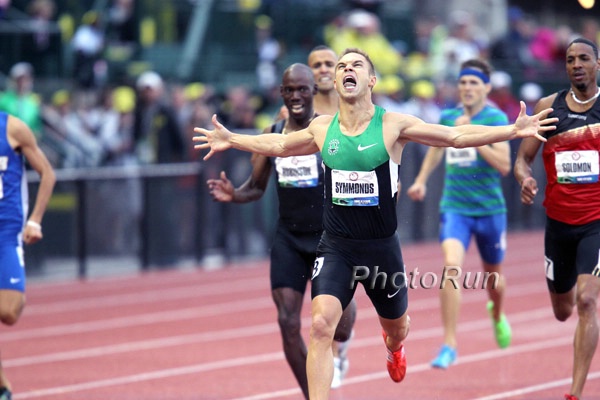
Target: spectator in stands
column 239, row 107
column 43, row 44
column 269, row 51
column 422, row 103
column 104, row 123
column 19, row 99
column 531, row 93
column 157, row 133
column 425, row 26
column 362, row 30
column 69, row 132
column 564, row 35
column 446, row 94
column 88, row 45
column 197, row 110
column 389, row 93
column 159, row 139
column 512, row 50
column 179, row 103
column 373, row 6
column 543, row 46
column 117, row 200
column 121, row 24
column 464, row 41
column 334, row 27
column 590, row 29
column 192, row 102
column 548, row 47
column 502, row 96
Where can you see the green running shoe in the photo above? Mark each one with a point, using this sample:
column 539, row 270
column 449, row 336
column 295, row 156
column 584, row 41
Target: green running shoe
column 502, row 329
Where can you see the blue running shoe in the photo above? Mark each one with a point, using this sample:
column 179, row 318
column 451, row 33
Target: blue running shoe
column 445, row 358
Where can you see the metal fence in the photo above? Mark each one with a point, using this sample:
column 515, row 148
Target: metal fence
column 153, row 216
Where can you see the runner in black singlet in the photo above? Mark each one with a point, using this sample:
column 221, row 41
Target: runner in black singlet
column 572, row 202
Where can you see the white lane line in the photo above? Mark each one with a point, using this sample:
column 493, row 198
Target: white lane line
column 269, row 357
column 536, row 388
column 146, row 296
column 234, row 307
column 364, row 314
column 273, row 356
column 148, row 376
column 245, row 333
column 464, row 359
column 138, row 319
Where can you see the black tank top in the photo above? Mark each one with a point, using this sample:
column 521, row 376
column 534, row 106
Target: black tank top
column 299, row 181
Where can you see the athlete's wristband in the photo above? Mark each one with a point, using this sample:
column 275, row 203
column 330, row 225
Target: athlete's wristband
column 34, row 224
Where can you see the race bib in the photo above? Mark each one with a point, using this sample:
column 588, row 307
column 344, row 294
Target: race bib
column 354, row 188
column 461, row 157
column 298, row 172
column 577, row 166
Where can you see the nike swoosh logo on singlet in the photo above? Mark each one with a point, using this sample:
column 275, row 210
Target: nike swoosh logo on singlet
column 361, row 147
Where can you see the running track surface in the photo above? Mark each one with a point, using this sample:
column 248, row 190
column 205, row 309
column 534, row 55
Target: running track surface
column 198, row 334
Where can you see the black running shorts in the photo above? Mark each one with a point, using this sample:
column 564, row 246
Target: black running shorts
column 292, row 258
column 377, row 264
column 571, row 250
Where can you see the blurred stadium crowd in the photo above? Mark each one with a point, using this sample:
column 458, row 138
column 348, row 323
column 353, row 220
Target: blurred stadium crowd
column 79, row 77
column 89, row 118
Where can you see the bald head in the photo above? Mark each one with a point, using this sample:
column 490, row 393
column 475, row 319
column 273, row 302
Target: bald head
column 298, row 71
